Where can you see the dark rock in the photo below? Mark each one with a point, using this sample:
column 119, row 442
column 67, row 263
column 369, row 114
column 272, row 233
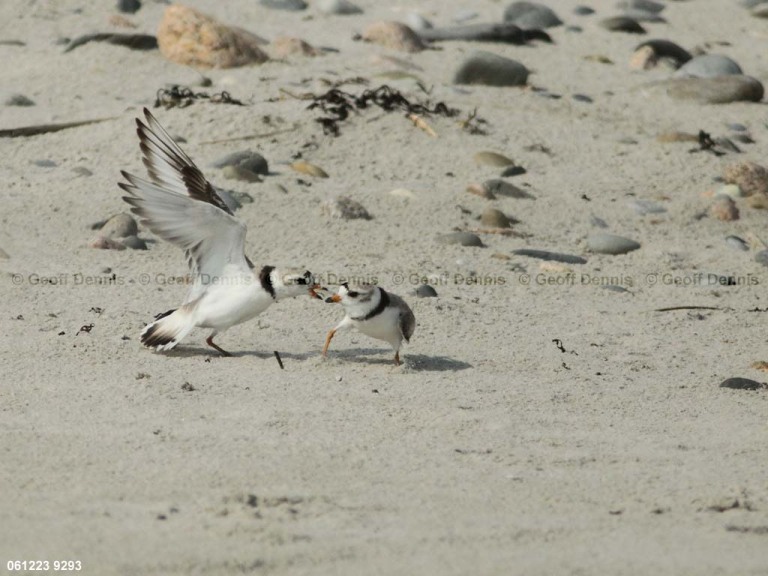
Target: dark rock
column 741, row 384
column 426, row 291
column 18, row 100
column 550, row 256
column 128, row 6
column 490, row 69
column 531, row 15
column 622, row 24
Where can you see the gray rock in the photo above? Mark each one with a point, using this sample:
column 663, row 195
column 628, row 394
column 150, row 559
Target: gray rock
column 603, row 243
column 582, row 98
column 426, row 291
column 583, row 11
column 512, row 171
column 463, row 238
column 719, row 90
column 598, row 222
column 246, row 159
column 499, row 187
column 134, row 242
column 228, row 196
column 417, row 22
column 550, row 256
column 128, row 6
column 18, row 100
column 665, row 49
column 345, row 208
column 622, row 24
column 741, row 384
column 531, row 15
column 494, row 218
column 240, row 173
column 737, row 127
column 337, row 7
column 708, row 66
column 288, row 5
column 45, row 163
column 646, row 5
column 82, row 171
column 490, row 69
column 119, row 226
column 762, row 257
column 644, row 207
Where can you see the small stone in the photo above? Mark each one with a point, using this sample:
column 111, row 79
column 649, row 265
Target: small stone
column 708, row 66
column 82, row 171
column 128, row 6
column 737, row 243
column 741, row 384
column 493, row 159
column 597, row 222
column 403, row 193
column 393, row 35
column 119, row 226
column 644, row 207
column 583, row 11
column 134, row 242
column 482, row 67
column 493, row 218
column 337, row 7
column 248, row 159
column 731, row 190
column 18, row 100
column 762, row 257
column 417, row 22
column 481, row 191
column 582, row 98
column 603, row 243
column 345, row 208
column 737, row 127
column 240, row 173
column 724, row 208
column 188, row 37
column 426, row 291
column 45, row 163
column 309, row 169
column 285, row 46
column 646, row 5
column 717, row 90
column 531, row 15
column 510, row 171
column 287, row 5
column 463, row 238
column 499, row 187
column 751, row 178
column 622, row 24
column 548, row 256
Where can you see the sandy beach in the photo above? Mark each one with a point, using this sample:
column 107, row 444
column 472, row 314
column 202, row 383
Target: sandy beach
column 550, row 417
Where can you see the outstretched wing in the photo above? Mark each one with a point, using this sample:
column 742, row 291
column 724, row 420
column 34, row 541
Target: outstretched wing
column 182, row 207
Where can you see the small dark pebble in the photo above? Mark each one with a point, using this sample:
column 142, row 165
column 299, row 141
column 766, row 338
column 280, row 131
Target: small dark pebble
column 668, row 50
column 583, row 11
column 44, row 163
column 736, row 127
column 582, row 98
column 426, row 291
column 741, row 384
column 622, row 24
column 550, row 256
column 82, row 171
column 128, row 6
column 18, row 100
column 512, row 171
column 762, row 257
column 132, row 41
column 287, row 5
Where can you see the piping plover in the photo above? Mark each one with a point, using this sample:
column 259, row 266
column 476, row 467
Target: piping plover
column 178, row 204
column 376, row 313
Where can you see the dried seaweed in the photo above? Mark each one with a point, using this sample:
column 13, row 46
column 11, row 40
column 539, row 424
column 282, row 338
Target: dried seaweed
column 183, row 96
column 338, row 104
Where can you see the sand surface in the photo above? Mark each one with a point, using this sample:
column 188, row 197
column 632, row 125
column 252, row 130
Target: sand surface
column 491, row 451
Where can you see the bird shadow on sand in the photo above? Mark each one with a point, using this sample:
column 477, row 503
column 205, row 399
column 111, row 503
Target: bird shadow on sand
column 205, row 352
column 412, row 362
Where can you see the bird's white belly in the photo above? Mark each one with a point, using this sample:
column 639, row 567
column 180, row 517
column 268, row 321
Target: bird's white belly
column 382, row 327
column 223, row 306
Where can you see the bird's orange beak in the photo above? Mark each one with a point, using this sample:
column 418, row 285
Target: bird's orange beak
column 313, row 293
column 334, row 298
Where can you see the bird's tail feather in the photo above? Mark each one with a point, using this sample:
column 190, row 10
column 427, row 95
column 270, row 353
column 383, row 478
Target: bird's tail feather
column 168, row 329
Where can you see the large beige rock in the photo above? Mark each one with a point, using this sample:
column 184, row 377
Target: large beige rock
column 186, row 36
column 393, row 35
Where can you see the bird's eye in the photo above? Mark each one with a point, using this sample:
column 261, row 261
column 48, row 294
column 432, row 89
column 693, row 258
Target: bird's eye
column 353, row 294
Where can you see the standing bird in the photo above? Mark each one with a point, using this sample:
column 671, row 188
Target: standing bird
column 178, row 204
column 376, row 313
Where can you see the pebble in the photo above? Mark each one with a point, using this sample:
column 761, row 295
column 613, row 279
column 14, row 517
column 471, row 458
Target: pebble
column 134, row 243
column 741, row 384
column 762, row 257
column 582, row 98
column 481, row 191
column 45, row 163
column 512, row 171
column 550, row 256
column 337, row 7
column 128, row 6
column 426, row 291
column 737, row 243
column 240, row 173
column 604, row 243
column 493, row 159
column 287, row 5
column 481, row 67
column 417, row 22
column 597, row 222
column 102, row 243
column 646, row 5
column 622, row 24
column 751, row 178
column 18, row 100
column 462, row 238
column 394, row 35
column 648, row 54
column 583, row 11
column 82, row 171
column 284, row 46
column 531, row 15
column 724, row 208
column 644, row 207
column 499, row 187
column 186, row 36
column 736, row 127
column 718, row 90
column 494, row 218
column 345, row 208
column 247, row 159
column 119, row 226
column 309, row 169
column 708, row 66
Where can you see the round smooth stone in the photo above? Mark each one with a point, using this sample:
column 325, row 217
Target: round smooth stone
column 603, row 243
